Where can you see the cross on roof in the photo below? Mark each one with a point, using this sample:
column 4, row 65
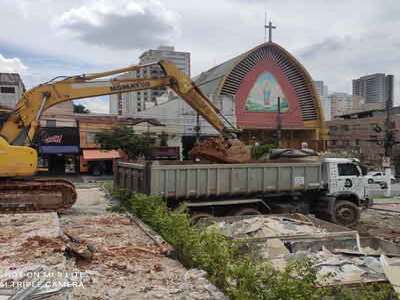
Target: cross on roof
column 269, row 27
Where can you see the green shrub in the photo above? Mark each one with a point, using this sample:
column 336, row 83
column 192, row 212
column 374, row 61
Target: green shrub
column 240, row 276
column 259, row 151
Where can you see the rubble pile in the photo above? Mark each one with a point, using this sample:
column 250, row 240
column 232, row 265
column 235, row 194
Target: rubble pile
column 30, row 238
column 382, row 220
column 267, row 226
column 32, row 258
column 336, row 268
column 337, row 252
column 89, row 253
column 125, row 261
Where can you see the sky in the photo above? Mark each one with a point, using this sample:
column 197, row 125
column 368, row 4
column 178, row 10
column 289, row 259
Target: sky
column 335, row 40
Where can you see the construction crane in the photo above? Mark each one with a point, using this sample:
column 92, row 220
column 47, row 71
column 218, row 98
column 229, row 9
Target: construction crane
column 18, row 160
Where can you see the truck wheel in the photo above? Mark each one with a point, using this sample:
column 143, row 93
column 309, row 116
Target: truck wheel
column 197, row 216
column 246, row 211
column 346, row 213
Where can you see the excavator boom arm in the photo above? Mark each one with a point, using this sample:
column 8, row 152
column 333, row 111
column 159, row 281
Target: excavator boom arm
column 21, row 125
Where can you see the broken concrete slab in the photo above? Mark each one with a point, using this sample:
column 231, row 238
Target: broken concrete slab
column 392, row 272
column 271, row 226
column 338, row 253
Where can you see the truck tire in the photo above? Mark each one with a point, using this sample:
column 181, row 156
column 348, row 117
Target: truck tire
column 197, row 216
column 346, row 213
column 246, row 211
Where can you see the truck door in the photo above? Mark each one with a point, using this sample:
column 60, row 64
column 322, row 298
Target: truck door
column 350, row 179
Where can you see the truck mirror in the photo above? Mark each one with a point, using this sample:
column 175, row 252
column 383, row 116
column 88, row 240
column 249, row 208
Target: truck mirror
column 364, row 170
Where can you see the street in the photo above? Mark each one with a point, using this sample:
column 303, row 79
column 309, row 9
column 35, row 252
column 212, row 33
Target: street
column 374, row 190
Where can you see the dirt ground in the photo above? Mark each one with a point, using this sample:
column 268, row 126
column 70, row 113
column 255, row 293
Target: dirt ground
column 106, row 256
column 382, row 220
column 126, row 263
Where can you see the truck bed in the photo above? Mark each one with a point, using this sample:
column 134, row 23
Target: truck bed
column 184, row 180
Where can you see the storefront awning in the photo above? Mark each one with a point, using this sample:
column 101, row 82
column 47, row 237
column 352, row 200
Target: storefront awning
column 59, row 149
column 100, row 154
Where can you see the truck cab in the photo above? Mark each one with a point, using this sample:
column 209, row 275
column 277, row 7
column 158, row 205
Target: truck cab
column 345, row 189
column 344, row 176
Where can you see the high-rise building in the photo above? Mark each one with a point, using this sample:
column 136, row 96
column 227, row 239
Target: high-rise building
column 374, row 88
column 11, row 89
column 181, row 59
column 322, row 91
column 130, row 103
column 341, row 104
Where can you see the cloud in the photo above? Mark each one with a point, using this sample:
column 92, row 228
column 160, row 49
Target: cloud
column 333, row 42
column 11, row 65
column 337, row 60
column 121, row 24
column 96, row 105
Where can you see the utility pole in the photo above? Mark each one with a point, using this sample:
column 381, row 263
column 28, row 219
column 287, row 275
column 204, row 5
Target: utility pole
column 147, row 146
column 197, row 128
column 388, row 142
column 279, row 124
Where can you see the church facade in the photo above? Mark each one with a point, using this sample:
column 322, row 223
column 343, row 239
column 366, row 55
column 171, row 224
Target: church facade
column 272, row 94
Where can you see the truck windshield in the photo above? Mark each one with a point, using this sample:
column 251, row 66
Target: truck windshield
column 348, row 169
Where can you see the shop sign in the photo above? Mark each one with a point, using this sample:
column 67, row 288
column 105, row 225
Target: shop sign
column 58, row 136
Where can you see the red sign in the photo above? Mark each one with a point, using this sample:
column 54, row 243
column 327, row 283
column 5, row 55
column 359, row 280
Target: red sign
column 54, row 139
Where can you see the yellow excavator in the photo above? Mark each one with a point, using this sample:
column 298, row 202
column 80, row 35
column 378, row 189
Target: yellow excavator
column 18, row 161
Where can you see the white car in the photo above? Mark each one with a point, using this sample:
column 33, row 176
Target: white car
column 378, row 177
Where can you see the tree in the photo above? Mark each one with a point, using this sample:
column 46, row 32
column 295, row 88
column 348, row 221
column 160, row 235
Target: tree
column 163, row 139
column 80, row 109
column 125, row 138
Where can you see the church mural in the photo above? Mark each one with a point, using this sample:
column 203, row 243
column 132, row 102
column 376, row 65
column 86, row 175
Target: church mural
column 263, row 96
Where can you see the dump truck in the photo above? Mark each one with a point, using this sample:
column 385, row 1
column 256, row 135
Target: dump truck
column 332, row 189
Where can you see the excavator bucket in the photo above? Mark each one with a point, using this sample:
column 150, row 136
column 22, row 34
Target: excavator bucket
column 221, row 150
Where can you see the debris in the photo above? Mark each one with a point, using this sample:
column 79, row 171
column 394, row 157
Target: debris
column 79, row 248
column 267, row 226
column 274, row 248
column 339, row 254
column 114, row 256
column 392, row 272
column 29, row 291
column 129, row 261
column 30, row 239
column 381, row 224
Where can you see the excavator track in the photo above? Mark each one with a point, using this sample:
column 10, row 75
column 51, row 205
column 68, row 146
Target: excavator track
column 36, row 195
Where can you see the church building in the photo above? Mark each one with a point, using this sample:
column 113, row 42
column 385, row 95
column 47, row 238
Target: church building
column 273, row 96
